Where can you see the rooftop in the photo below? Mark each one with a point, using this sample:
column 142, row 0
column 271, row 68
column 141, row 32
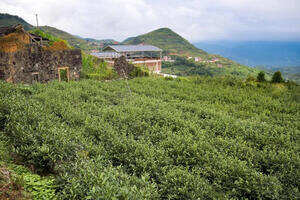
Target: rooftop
column 133, row 48
column 106, row 55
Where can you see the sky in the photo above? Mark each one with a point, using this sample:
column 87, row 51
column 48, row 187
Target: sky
column 196, row 20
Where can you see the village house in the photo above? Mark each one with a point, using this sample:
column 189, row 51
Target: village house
column 142, row 55
column 28, row 58
column 167, row 59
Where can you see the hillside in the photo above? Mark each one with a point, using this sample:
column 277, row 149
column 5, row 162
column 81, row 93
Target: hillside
column 104, row 41
column 223, row 67
column 72, row 40
column 189, row 138
column 167, row 40
column 9, row 20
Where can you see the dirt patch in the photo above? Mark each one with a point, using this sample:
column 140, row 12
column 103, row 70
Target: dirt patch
column 13, row 42
column 57, row 46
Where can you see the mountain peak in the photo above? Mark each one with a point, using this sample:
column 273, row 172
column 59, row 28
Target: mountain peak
column 168, row 40
column 164, row 29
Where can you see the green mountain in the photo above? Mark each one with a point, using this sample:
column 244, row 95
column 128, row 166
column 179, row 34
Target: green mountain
column 9, row 20
column 73, row 40
column 104, row 41
column 169, row 41
column 180, row 49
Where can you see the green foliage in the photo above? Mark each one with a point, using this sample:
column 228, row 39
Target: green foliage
column 63, row 75
column 38, row 187
column 89, row 179
column 191, row 138
column 74, row 41
column 93, row 68
column 169, row 78
column 261, row 76
column 187, row 67
column 27, row 184
column 277, row 77
column 250, row 79
column 48, row 36
column 139, row 71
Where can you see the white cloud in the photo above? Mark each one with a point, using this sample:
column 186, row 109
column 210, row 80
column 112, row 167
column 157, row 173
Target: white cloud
column 194, row 19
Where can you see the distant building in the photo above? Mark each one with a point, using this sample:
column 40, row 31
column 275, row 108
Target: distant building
column 198, row 59
column 143, row 55
column 167, row 59
column 214, row 60
column 94, row 51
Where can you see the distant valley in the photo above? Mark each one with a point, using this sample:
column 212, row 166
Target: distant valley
column 256, row 53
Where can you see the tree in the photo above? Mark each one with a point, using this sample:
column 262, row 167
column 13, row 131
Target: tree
column 261, row 76
column 277, row 77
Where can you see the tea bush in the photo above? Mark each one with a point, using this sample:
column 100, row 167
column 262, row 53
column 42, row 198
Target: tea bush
column 96, row 69
column 20, row 183
column 193, row 138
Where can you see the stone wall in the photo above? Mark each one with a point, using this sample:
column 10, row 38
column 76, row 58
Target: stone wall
column 34, row 62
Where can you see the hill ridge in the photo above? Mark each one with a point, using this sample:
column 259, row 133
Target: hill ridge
column 168, row 40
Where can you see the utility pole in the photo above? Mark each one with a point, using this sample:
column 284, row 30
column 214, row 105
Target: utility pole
column 37, row 27
column 37, row 21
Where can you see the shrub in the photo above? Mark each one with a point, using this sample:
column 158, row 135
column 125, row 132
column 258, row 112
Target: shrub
column 261, row 76
column 169, row 78
column 17, row 182
column 277, row 77
column 250, row 79
column 139, row 71
column 94, row 68
column 50, row 37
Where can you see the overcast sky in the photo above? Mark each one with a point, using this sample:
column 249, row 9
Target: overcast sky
column 196, row 20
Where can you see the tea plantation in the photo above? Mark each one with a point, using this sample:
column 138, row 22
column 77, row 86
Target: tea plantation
column 189, row 138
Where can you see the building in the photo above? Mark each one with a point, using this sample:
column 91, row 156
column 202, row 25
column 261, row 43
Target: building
column 167, row 59
column 28, row 58
column 143, row 55
column 198, row 59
